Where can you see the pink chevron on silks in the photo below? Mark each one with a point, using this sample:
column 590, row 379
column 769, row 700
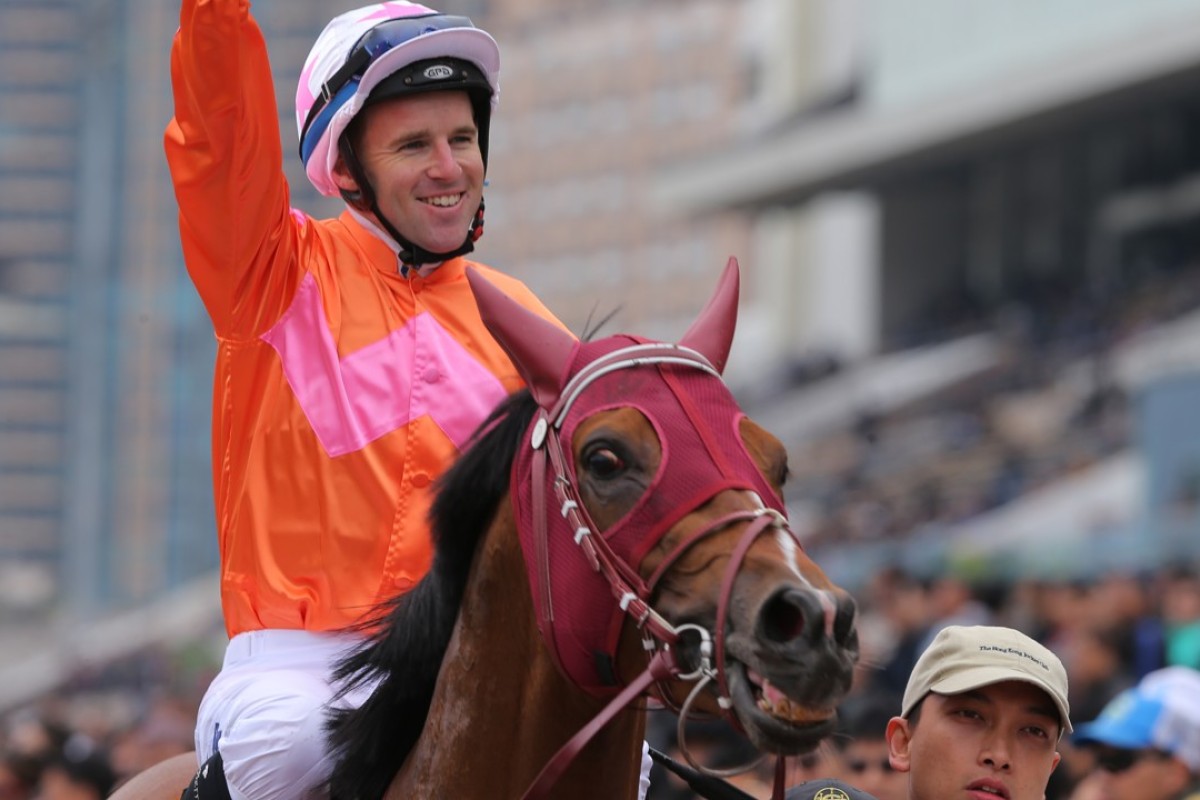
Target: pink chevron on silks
column 350, row 402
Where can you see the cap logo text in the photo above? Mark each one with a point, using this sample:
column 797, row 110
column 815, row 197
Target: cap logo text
column 439, row 72
column 1015, row 652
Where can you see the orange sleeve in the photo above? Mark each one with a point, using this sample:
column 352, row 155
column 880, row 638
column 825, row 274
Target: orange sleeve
column 223, row 149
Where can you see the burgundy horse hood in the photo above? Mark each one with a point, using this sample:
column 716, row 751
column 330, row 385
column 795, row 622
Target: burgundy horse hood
column 695, row 418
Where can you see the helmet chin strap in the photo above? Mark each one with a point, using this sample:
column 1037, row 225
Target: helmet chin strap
column 364, row 200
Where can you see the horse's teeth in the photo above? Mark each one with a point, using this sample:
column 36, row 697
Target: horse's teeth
column 771, row 693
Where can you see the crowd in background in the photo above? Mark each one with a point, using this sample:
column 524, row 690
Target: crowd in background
column 110, row 723
column 1109, row 633
column 1049, row 407
column 105, row 725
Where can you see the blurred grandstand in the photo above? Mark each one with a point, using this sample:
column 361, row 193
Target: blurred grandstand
column 987, row 225
column 971, row 308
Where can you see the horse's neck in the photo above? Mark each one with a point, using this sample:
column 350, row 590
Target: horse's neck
column 501, row 709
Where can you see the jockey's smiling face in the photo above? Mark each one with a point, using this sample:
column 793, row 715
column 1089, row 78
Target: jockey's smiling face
column 421, row 155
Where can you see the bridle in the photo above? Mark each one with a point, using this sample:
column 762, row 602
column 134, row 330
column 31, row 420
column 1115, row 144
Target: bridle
column 632, row 594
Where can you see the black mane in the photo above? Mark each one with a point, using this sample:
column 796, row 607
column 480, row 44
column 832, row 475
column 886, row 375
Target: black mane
column 410, row 633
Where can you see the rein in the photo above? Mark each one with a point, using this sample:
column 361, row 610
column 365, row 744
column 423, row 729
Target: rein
column 632, row 594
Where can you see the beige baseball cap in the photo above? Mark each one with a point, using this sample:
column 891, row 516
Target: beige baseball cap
column 962, row 658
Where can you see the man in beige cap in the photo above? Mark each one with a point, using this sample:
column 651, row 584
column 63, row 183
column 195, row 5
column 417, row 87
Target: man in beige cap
column 981, row 717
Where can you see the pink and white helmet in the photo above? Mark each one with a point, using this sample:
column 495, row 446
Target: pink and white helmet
column 359, row 49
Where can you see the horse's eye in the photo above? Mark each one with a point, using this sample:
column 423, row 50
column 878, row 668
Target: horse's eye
column 603, row 462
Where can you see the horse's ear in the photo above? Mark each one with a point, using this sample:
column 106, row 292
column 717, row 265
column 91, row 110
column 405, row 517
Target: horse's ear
column 540, row 350
column 711, row 334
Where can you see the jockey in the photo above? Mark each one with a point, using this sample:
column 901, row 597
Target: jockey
column 352, row 363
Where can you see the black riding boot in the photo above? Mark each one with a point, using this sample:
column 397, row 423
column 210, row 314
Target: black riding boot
column 209, row 783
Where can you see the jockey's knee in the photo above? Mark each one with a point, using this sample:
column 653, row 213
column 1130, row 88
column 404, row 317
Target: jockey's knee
column 279, row 752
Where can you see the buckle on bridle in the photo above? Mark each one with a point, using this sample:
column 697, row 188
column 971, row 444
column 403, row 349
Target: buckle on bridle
column 705, row 667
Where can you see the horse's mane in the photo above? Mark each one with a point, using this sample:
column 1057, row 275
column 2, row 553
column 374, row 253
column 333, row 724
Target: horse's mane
column 409, row 634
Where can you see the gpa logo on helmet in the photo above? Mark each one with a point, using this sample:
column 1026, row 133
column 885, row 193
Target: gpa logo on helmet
column 439, row 72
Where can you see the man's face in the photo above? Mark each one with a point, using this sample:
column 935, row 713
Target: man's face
column 998, row 741
column 421, row 154
column 1137, row 775
column 866, row 765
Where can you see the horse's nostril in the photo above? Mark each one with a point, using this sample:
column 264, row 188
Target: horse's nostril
column 783, row 617
column 843, row 623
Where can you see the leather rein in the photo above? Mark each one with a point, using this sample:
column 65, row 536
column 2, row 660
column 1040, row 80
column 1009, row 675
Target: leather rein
column 630, row 591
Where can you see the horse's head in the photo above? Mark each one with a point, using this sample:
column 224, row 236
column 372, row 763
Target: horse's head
column 651, row 507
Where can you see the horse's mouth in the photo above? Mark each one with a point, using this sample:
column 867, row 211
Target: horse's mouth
column 774, row 702
column 772, row 720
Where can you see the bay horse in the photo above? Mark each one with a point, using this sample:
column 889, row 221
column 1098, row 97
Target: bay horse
column 616, row 529
column 614, row 532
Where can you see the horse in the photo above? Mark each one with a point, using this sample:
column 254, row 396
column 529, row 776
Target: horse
column 617, row 528
column 613, row 536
